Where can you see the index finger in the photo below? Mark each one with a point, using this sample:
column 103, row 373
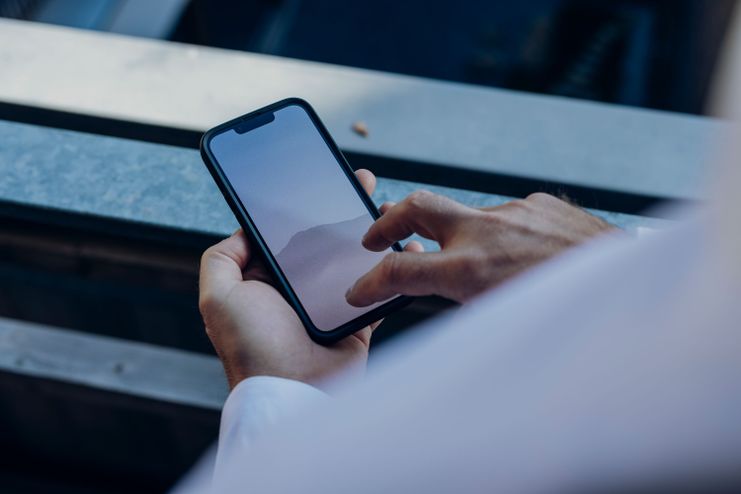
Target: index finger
column 429, row 215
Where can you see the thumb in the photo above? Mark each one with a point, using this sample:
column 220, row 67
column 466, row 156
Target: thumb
column 221, row 268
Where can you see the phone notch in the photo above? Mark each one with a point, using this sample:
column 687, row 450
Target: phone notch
column 255, row 122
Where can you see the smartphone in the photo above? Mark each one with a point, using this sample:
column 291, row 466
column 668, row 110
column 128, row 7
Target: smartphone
column 300, row 204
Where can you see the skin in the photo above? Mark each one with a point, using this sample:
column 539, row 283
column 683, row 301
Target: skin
column 256, row 333
column 254, row 330
column 480, row 248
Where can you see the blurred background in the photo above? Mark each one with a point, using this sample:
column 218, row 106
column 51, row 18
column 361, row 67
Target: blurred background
column 648, row 53
column 107, row 381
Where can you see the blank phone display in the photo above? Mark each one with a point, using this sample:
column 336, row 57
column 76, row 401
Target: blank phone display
column 304, row 207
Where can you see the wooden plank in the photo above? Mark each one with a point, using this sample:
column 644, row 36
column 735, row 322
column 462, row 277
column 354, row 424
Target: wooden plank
column 110, row 364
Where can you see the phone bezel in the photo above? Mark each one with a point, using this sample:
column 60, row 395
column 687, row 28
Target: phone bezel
column 244, row 219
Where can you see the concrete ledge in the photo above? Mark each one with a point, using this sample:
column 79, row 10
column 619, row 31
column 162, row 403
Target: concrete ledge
column 53, row 173
column 557, row 140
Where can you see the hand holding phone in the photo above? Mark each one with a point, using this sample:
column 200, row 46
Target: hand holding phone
column 302, row 209
column 255, row 331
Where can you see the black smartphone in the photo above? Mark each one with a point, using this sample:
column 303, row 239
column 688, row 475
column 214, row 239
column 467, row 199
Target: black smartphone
column 301, row 205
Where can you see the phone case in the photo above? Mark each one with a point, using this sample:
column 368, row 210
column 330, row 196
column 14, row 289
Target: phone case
column 319, row 336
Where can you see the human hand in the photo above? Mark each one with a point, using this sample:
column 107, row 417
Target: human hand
column 255, row 331
column 480, row 248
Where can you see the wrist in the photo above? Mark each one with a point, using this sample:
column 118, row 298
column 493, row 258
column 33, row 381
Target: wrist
column 235, row 369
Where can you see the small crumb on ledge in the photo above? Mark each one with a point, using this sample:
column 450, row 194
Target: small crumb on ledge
column 360, row 128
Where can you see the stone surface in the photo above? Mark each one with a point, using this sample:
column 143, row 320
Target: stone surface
column 164, row 186
column 547, row 138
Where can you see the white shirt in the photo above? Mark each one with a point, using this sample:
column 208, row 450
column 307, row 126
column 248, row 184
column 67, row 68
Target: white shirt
column 255, row 405
column 616, row 364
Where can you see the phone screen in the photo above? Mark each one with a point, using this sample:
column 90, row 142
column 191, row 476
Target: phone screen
column 304, row 207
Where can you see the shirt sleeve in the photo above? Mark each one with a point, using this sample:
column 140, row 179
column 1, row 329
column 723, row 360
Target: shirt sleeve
column 254, row 406
column 644, row 231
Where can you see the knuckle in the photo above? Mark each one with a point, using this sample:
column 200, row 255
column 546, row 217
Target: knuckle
column 205, row 303
column 494, row 219
column 539, row 197
column 519, row 204
column 390, row 268
column 418, row 199
column 208, row 255
column 206, row 299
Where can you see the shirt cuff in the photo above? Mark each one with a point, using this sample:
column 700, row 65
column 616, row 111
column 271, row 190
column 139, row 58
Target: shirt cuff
column 255, row 405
